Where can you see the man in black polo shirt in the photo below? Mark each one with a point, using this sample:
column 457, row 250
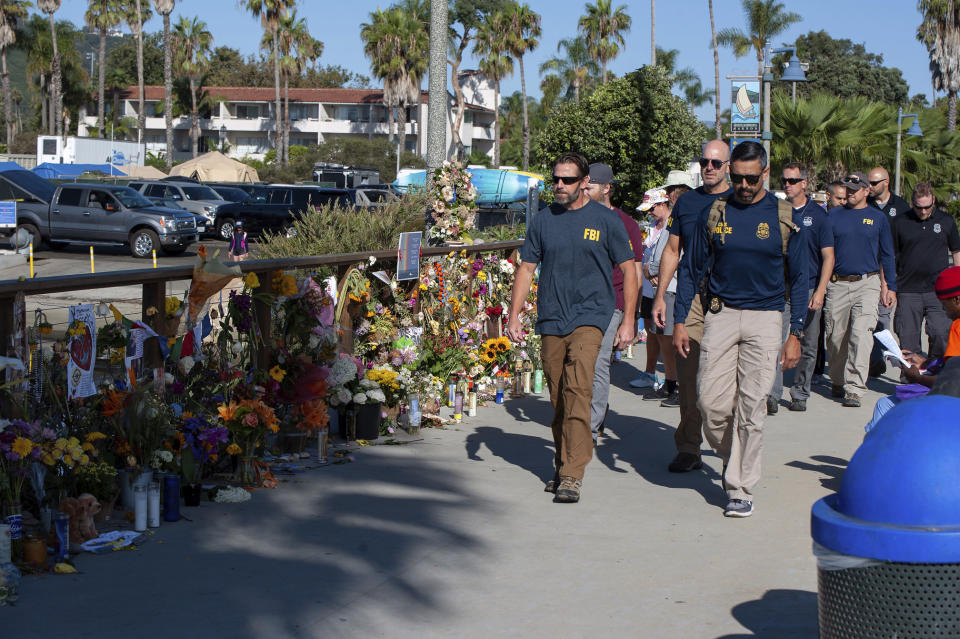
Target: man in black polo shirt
column 882, row 199
column 924, row 237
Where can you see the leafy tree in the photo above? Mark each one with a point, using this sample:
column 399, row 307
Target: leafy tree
column 122, row 60
column 495, row 64
column 766, row 19
column 523, row 29
column 603, row 27
column 193, row 46
column 379, row 153
column 298, row 49
column 576, row 70
column 102, row 15
column 940, row 33
column 634, row 124
column 845, row 69
column 10, row 12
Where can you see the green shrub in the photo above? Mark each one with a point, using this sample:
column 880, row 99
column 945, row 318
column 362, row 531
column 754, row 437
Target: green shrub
column 333, row 229
column 953, row 208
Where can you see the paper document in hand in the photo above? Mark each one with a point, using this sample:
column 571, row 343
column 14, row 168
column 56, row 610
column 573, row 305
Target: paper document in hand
column 891, row 348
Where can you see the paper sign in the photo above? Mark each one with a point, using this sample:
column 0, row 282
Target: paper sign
column 8, row 215
column 891, row 348
column 408, row 256
column 83, row 350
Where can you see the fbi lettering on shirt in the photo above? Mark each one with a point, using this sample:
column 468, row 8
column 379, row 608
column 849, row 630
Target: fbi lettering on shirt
column 868, row 221
column 591, row 234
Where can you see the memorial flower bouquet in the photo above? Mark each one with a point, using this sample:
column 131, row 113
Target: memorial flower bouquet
column 454, row 203
column 248, row 421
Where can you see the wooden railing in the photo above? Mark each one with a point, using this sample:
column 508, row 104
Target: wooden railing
column 154, row 281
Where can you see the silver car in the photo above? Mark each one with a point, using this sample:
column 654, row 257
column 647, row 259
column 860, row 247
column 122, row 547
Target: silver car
column 196, row 198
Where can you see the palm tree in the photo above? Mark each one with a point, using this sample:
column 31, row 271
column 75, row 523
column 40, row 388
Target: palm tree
column 604, row 27
column 495, row 64
column 940, row 33
column 680, row 78
column 397, row 42
column 765, row 20
column 38, row 44
column 270, row 12
column 716, row 71
column 10, row 12
column 50, row 7
column 102, row 15
column 165, row 8
column 653, row 32
column 297, row 50
column 192, row 40
column 576, row 69
column 136, row 16
column 695, row 95
column 522, row 30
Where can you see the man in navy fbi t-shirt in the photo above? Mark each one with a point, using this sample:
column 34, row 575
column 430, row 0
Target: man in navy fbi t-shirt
column 741, row 345
column 577, row 244
column 863, row 275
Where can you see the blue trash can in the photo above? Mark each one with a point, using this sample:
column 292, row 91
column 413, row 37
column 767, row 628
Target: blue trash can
column 889, row 540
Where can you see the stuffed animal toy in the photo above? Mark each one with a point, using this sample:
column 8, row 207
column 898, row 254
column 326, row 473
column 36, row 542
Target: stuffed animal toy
column 81, row 511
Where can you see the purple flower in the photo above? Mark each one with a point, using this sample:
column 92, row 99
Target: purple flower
column 482, row 290
column 12, row 456
column 176, row 387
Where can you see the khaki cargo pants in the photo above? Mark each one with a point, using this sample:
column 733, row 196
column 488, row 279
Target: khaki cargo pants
column 568, row 363
column 851, row 316
column 738, row 360
column 688, row 435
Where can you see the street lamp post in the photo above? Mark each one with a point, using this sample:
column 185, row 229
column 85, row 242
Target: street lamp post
column 793, row 73
column 913, row 130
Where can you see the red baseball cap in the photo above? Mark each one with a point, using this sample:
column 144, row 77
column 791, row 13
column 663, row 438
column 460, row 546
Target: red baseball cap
column 948, row 283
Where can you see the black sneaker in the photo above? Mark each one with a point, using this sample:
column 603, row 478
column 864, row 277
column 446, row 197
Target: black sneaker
column 836, row 391
column 877, row 368
column 569, row 490
column 798, row 405
column 673, row 401
column 657, row 395
column 772, row 405
column 551, row 486
column 738, row 508
column 684, row 463
column 851, row 401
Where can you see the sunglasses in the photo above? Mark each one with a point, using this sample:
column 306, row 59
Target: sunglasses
column 876, row 182
column 852, row 179
column 792, row 181
column 716, row 164
column 924, row 208
column 752, row 180
column 566, row 179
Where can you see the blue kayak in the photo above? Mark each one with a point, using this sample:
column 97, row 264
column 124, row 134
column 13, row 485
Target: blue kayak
column 494, row 186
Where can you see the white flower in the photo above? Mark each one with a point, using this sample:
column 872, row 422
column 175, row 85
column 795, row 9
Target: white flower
column 373, row 260
column 376, row 395
column 367, row 384
column 360, row 398
column 168, row 378
column 232, row 495
column 236, row 348
column 186, row 364
column 506, row 267
column 313, row 342
column 343, row 396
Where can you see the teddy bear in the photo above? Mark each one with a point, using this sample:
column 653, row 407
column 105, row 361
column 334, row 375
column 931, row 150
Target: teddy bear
column 81, row 511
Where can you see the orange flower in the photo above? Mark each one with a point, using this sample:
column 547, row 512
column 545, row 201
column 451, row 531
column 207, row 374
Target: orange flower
column 314, row 414
column 112, row 403
column 227, row 411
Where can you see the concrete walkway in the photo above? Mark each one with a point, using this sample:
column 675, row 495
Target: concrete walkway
column 453, row 536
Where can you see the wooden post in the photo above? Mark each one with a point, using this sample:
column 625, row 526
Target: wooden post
column 7, row 323
column 264, row 321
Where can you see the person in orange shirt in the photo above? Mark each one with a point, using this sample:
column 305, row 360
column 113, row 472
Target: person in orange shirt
column 947, row 288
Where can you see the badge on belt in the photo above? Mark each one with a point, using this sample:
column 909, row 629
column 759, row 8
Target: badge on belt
column 715, row 305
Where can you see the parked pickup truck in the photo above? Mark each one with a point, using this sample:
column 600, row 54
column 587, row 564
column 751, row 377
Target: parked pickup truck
column 100, row 214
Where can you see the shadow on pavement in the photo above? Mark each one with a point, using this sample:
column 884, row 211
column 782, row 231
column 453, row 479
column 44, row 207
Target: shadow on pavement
column 530, row 452
column 828, row 465
column 780, row 614
column 301, row 561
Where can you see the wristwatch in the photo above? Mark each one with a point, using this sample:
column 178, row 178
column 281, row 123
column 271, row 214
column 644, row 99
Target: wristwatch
column 797, row 332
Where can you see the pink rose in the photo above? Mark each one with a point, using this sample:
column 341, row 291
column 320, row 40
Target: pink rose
column 250, row 419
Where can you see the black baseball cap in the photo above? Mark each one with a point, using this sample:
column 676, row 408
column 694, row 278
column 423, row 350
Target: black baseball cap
column 601, row 174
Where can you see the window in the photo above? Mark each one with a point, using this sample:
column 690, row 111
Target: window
column 172, row 193
column 70, row 197
column 303, row 112
column 248, row 111
column 251, row 144
column 50, row 147
column 303, row 141
column 352, row 113
column 154, row 190
column 279, row 196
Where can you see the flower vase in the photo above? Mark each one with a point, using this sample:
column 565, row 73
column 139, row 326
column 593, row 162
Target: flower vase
column 348, row 425
column 192, row 493
column 246, row 474
column 13, row 517
column 368, row 421
column 494, row 327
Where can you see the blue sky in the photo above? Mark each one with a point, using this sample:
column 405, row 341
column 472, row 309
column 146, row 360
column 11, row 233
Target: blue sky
column 886, row 27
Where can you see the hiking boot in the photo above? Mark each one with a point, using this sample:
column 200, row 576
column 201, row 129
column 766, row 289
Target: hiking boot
column 851, row 401
column 569, row 490
column 551, row 486
column 798, row 405
column 673, row 401
column 656, row 395
column 836, row 391
column 772, row 405
column 684, row 463
column 738, row 508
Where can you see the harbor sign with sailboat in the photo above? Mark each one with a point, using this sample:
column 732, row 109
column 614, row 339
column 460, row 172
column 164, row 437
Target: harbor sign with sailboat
column 745, row 112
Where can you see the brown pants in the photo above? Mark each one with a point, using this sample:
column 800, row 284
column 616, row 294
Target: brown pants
column 738, row 360
column 688, row 435
column 568, row 363
column 851, row 312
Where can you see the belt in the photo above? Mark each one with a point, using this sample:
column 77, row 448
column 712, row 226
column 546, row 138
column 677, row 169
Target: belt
column 852, row 278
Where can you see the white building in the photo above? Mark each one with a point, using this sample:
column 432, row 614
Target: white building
column 243, row 117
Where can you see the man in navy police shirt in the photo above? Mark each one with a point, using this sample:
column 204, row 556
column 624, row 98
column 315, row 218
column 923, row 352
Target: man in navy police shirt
column 863, row 275
column 577, row 244
column 741, row 345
